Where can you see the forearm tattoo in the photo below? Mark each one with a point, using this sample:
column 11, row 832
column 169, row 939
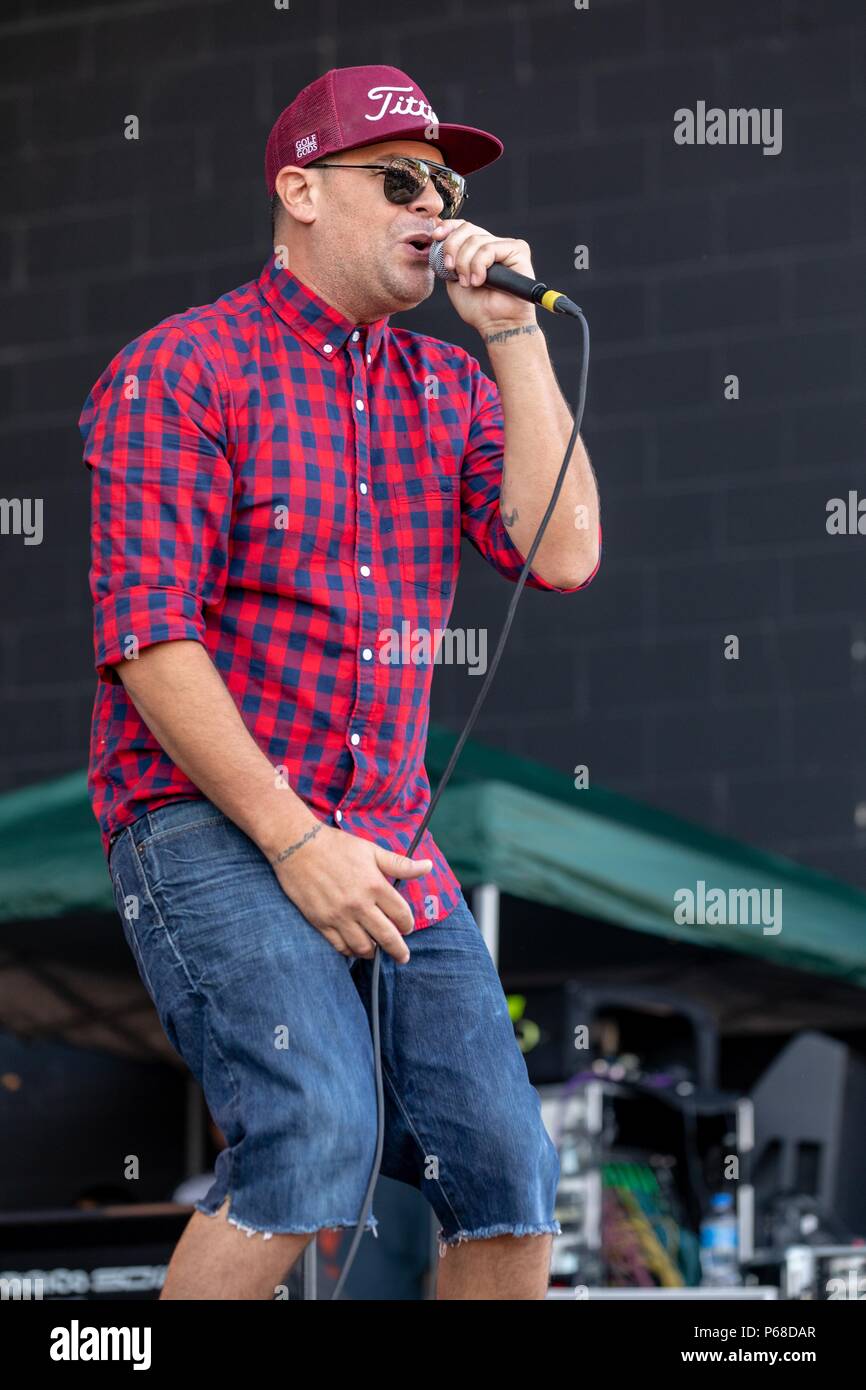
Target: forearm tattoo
column 505, row 333
column 285, row 853
column 508, row 517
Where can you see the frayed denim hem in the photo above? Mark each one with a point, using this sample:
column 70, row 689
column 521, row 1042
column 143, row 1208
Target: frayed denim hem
column 485, row 1232
column 249, row 1230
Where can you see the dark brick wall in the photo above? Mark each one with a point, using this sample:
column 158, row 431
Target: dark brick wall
column 703, row 261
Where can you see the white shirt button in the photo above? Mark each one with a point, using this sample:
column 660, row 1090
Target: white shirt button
column 363, row 487
column 367, row 654
column 369, row 357
column 356, row 738
column 338, row 816
column 359, row 405
column 365, row 570
column 355, row 336
column 327, row 348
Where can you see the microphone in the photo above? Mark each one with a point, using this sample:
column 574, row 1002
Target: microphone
column 500, row 277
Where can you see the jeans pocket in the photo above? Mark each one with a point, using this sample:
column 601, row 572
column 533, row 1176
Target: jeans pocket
column 214, row 896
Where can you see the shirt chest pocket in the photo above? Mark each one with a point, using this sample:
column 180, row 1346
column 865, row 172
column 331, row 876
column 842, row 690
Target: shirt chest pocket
column 421, row 532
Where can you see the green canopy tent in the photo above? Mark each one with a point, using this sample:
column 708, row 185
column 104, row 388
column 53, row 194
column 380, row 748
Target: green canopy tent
column 508, row 827
column 523, row 827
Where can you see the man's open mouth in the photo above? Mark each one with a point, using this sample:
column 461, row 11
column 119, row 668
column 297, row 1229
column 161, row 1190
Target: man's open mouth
column 420, row 243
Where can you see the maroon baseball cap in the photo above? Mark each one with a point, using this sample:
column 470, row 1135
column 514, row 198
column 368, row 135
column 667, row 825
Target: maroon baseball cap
column 349, row 107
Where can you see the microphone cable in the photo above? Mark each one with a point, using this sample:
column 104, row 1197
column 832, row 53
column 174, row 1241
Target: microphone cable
column 573, row 311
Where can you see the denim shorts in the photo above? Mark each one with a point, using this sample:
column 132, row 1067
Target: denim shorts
column 275, row 1025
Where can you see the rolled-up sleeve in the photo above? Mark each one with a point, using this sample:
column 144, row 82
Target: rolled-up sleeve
column 481, row 481
column 161, row 496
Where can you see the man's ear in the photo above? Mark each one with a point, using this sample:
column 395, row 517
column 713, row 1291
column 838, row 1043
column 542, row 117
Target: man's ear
column 296, row 192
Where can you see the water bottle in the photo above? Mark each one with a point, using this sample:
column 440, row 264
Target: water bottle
column 719, row 1265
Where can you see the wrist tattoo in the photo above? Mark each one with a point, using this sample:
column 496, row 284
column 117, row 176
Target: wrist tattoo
column 504, row 333
column 285, row 853
column 508, row 517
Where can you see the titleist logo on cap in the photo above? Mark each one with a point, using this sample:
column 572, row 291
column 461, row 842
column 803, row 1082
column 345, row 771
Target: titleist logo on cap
column 403, row 106
column 308, row 145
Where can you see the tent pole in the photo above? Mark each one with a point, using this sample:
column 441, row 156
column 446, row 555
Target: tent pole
column 485, row 910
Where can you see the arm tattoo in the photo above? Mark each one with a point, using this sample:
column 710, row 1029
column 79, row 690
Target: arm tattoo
column 504, row 333
column 508, row 518
column 284, row 853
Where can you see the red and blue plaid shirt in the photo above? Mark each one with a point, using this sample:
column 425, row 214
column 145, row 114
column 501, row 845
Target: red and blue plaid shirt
column 286, row 487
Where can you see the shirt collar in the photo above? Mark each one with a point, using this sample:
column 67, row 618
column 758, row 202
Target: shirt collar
column 316, row 321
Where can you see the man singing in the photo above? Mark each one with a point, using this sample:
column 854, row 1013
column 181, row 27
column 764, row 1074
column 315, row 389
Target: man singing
column 279, row 478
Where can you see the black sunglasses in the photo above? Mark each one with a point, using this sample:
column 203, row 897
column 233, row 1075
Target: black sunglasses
column 405, row 178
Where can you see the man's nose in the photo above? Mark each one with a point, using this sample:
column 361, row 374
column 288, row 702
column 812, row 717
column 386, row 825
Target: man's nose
column 428, row 201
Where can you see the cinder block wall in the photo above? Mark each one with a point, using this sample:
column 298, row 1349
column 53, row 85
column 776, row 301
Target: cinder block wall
column 703, row 262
